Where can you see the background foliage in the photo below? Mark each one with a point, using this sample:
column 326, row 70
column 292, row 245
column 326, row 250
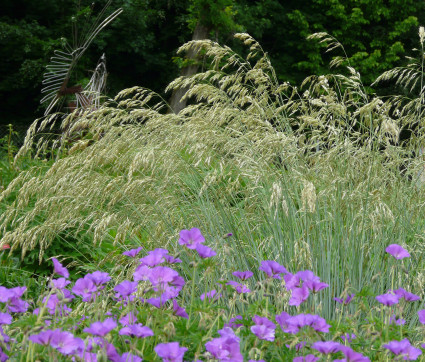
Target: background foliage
column 141, row 44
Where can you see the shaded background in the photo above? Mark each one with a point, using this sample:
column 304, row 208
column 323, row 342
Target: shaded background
column 140, row 45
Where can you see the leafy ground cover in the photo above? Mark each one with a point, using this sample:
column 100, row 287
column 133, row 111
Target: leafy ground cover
column 296, row 216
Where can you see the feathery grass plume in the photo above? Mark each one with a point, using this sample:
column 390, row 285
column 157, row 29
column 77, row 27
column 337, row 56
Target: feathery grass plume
column 247, row 143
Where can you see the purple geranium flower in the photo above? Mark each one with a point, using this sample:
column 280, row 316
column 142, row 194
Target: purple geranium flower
column 347, row 337
column 101, row 328
column 154, row 257
column 308, row 358
column 128, row 319
column 292, row 324
column 170, row 352
column 232, row 323
column 44, row 338
column 5, row 318
column 398, row 322
column 226, row 347
column 136, row 330
column 125, row 289
column 387, row 299
column 315, row 286
column 404, row 349
column 326, row 347
column 132, row 253
column 191, row 238
column 409, row 297
column 272, row 269
column 60, row 283
column 205, row 251
column 98, row 278
column 299, row 295
column 129, row 357
column 172, row 260
column 5, row 294
column 59, row 269
column 397, row 251
column 17, row 305
column 66, row 343
column 351, row 355
column 142, row 272
column 179, row 311
column 161, row 276
column 243, row 275
column 3, row 356
column 212, row 295
column 292, row 281
column 345, row 301
column 240, row 288
column 421, row 314
column 263, row 328
column 85, row 288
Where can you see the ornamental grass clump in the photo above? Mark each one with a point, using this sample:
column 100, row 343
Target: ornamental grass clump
column 164, row 317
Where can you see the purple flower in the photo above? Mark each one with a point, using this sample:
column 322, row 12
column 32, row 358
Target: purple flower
column 345, row 301
column 351, row 355
column 179, row 311
column 191, row 238
column 5, row 294
column 409, row 297
column 387, row 299
column 60, row 283
column 129, row 357
column 315, row 286
column 308, row 358
column 5, row 318
column 398, row 322
column 3, row 356
column 397, row 251
column 326, row 347
column 307, row 275
column 170, row 352
column 292, row 324
column 243, row 275
column 226, row 347
column 85, row 288
column 205, row 251
column 161, row 276
column 154, row 257
column 142, row 272
column 172, row 260
column 125, row 289
column 59, row 269
column 291, row 281
column 136, row 330
column 298, row 347
column 128, row 319
column 272, row 269
column 403, row 348
column 98, row 278
column 65, row 342
column 44, row 338
column 132, row 253
column 347, row 337
column 17, row 305
column 240, row 288
column 299, row 295
column 101, row 328
column 263, row 328
column 212, row 295
column 232, row 323
column 421, row 314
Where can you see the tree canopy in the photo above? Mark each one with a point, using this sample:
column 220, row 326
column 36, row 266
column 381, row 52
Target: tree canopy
column 140, row 45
